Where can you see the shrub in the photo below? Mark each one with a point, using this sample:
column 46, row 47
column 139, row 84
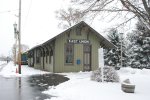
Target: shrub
column 110, row 75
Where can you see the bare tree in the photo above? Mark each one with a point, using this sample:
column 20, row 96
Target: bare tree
column 69, row 17
column 2, row 57
column 129, row 9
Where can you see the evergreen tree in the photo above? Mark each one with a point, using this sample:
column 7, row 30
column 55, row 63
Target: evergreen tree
column 139, row 48
column 112, row 57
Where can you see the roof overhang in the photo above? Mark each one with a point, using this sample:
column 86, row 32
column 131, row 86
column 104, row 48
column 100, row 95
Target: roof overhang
column 104, row 43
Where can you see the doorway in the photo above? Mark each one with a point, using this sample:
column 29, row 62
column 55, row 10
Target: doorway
column 86, row 57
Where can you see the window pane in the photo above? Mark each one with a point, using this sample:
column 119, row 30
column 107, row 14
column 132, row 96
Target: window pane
column 78, row 31
column 69, row 59
column 87, row 48
column 69, row 53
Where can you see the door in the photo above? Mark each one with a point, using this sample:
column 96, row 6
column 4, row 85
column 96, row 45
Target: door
column 87, row 57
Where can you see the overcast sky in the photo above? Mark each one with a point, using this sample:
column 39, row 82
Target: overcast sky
column 38, row 22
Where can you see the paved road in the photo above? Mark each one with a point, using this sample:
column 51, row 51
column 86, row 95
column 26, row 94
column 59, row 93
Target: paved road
column 28, row 88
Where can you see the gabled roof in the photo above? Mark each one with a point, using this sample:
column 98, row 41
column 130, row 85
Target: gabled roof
column 103, row 41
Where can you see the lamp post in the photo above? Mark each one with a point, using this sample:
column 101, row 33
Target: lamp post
column 121, row 37
column 16, row 37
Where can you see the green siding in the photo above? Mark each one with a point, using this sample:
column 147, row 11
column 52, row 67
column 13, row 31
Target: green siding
column 59, row 53
column 48, row 66
column 60, row 42
column 95, row 46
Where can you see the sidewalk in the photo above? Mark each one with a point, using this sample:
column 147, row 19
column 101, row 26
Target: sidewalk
column 9, row 70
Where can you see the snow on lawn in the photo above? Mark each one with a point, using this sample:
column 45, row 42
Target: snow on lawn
column 10, row 71
column 80, row 87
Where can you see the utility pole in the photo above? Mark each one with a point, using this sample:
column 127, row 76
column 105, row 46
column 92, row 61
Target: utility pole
column 15, row 45
column 19, row 39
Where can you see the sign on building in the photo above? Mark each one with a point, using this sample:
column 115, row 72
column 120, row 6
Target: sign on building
column 76, row 41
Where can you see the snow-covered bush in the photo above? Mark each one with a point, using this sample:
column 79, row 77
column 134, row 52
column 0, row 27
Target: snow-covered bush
column 110, row 75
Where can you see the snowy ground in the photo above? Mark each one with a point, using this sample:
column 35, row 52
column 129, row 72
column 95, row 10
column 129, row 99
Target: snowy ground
column 2, row 62
column 80, row 87
column 10, row 71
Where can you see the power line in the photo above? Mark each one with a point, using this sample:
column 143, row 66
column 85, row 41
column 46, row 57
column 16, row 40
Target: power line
column 7, row 11
column 28, row 12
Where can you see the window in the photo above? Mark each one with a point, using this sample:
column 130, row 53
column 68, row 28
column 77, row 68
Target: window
column 38, row 55
column 69, row 53
column 78, row 31
column 87, row 48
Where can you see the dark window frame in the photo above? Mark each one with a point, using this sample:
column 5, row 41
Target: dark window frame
column 69, row 51
column 78, row 31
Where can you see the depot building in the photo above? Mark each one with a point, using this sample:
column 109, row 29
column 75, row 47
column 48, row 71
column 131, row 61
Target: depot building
column 75, row 49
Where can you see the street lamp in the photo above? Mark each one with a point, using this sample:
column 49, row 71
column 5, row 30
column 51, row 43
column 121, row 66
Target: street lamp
column 121, row 37
column 15, row 31
column 15, row 27
column 16, row 37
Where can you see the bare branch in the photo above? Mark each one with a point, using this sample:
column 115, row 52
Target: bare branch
column 126, row 21
column 69, row 17
column 122, row 8
column 146, row 6
column 110, row 10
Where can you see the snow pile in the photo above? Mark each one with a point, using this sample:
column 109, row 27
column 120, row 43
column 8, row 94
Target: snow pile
column 80, row 87
column 110, row 75
column 127, row 70
column 10, row 71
